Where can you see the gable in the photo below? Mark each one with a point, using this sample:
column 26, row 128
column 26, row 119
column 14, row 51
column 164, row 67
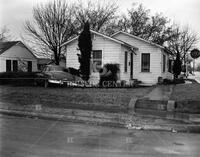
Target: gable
column 123, row 35
column 108, row 38
column 6, row 45
column 18, row 51
column 96, row 40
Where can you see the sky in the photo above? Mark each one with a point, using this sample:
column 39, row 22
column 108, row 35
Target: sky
column 13, row 13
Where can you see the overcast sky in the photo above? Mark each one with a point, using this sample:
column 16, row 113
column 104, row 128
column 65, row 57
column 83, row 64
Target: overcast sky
column 13, row 13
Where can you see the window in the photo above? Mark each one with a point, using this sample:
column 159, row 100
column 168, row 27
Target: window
column 15, row 65
column 29, row 66
column 125, row 61
column 97, row 60
column 145, row 62
column 164, row 63
column 8, row 65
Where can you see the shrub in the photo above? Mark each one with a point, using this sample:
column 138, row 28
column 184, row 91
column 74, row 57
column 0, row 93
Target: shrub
column 109, row 75
column 175, row 81
column 73, row 71
column 17, row 78
column 177, row 66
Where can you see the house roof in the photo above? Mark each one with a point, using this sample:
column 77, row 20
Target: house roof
column 7, row 45
column 136, row 37
column 44, row 60
column 105, row 36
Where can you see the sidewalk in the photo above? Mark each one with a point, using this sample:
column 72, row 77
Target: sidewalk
column 129, row 121
column 196, row 76
column 157, row 104
column 161, row 92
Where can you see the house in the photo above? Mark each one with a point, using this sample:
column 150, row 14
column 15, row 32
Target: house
column 42, row 62
column 15, row 56
column 136, row 57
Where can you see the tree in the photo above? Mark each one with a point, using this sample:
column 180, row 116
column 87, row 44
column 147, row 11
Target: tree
column 54, row 23
column 99, row 14
column 140, row 23
column 177, row 66
column 4, row 34
column 182, row 42
column 85, row 47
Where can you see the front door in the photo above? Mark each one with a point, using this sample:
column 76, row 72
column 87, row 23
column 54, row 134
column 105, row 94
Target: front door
column 131, row 66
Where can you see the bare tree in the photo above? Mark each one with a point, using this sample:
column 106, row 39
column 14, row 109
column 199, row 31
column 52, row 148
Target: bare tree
column 4, row 34
column 99, row 14
column 183, row 41
column 54, row 24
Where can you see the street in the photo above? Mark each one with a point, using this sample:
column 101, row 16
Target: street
column 25, row 137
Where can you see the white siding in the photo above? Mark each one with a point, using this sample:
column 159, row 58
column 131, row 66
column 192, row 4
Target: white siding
column 17, row 52
column 155, row 59
column 166, row 74
column 110, row 52
column 2, row 64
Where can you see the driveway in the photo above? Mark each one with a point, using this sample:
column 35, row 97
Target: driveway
column 24, row 137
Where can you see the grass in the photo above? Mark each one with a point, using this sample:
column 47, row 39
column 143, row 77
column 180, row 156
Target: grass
column 111, row 100
column 185, row 92
column 17, row 78
column 187, row 97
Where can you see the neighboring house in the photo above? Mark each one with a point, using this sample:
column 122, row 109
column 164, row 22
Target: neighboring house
column 42, row 62
column 15, row 56
column 137, row 58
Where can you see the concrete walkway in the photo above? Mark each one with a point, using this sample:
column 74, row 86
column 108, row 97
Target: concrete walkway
column 161, row 92
column 196, row 76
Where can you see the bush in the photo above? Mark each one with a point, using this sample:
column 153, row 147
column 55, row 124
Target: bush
column 108, row 75
column 175, row 81
column 17, row 78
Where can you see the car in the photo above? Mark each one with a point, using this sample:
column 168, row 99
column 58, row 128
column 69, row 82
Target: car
column 54, row 74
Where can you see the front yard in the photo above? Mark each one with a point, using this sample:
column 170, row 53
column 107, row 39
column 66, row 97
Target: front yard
column 187, row 97
column 185, row 92
column 110, row 100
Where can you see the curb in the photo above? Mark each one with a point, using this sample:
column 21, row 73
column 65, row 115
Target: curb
column 103, row 121
column 178, row 116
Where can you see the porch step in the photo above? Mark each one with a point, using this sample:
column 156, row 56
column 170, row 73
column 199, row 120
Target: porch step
column 151, row 104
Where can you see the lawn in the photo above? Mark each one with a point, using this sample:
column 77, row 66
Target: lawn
column 184, row 92
column 111, row 100
column 187, row 97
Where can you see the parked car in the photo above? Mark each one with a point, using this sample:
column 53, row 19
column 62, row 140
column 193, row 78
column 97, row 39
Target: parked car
column 55, row 74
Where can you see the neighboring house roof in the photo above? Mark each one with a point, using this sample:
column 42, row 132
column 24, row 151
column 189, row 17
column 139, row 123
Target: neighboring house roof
column 105, row 36
column 43, row 60
column 4, row 46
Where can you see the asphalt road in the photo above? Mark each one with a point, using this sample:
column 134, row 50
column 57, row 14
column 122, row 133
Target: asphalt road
column 24, row 137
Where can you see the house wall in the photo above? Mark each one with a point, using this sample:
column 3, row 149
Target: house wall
column 155, row 59
column 17, row 52
column 110, row 53
column 166, row 74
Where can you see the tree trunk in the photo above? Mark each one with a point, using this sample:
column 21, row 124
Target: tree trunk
column 56, row 58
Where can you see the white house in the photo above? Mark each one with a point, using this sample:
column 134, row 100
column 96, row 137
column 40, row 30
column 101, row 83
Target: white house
column 137, row 58
column 15, row 56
